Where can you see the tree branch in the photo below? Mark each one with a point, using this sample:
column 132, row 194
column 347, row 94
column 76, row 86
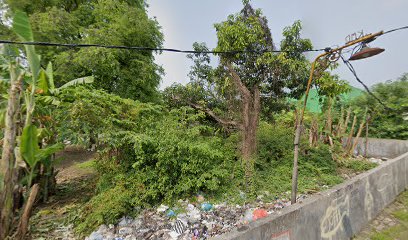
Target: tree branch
column 224, row 122
column 214, row 116
column 241, row 87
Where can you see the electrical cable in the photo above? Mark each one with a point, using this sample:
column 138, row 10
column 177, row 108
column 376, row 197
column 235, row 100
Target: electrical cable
column 353, row 71
column 74, row 45
column 395, row 29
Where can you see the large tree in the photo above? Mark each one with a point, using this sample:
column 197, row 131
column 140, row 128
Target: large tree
column 248, row 74
column 128, row 73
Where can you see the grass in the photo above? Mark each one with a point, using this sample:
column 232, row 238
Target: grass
column 393, row 233
column 358, row 165
column 398, row 211
column 87, row 164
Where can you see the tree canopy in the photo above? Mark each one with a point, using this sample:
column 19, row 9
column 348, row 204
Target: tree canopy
column 127, row 73
column 390, row 121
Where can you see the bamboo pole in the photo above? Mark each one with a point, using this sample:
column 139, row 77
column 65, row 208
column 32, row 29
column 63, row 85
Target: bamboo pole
column 360, row 129
column 366, row 136
column 344, row 128
column 340, row 123
column 348, row 144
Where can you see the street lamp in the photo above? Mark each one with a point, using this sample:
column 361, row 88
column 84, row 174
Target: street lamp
column 319, row 65
column 366, row 52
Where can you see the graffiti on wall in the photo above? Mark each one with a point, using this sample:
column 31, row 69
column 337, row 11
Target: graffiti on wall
column 368, row 201
column 332, row 221
column 384, row 183
column 396, row 181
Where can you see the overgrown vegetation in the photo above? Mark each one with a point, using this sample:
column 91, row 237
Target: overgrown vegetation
column 228, row 133
column 390, row 121
column 168, row 155
column 129, row 74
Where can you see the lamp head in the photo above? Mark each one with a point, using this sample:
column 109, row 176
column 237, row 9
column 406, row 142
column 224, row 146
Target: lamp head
column 366, row 52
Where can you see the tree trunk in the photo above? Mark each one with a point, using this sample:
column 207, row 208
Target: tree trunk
column 24, row 220
column 250, row 108
column 340, row 123
column 366, row 138
column 314, row 133
column 250, row 115
column 345, row 126
column 350, row 137
column 7, row 159
column 328, row 127
column 355, row 142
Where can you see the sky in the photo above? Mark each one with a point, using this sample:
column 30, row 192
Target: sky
column 325, row 22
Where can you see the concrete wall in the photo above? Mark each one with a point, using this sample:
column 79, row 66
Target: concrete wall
column 338, row 213
column 389, row 148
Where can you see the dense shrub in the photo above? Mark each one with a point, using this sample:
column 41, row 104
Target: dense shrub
column 153, row 155
column 169, row 158
column 88, row 113
column 274, row 164
column 104, row 208
column 162, row 159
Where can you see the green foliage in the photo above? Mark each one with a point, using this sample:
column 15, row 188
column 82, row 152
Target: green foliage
column 22, row 28
column 29, row 145
column 275, row 143
column 130, row 74
column 248, row 30
column 161, row 158
column 316, row 165
column 359, row 165
column 209, row 87
column 31, row 152
column 85, row 113
column 331, row 86
column 387, row 123
column 104, row 208
column 172, row 157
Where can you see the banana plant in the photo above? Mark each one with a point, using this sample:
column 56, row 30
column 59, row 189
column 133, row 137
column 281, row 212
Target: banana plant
column 34, row 80
column 40, row 87
column 49, row 93
column 32, row 153
column 22, row 27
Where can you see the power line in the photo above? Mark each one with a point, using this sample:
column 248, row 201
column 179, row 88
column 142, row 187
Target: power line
column 353, row 71
column 395, row 29
column 74, row 45
column 80, row 45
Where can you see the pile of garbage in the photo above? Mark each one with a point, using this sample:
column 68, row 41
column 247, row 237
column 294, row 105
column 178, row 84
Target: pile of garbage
column 378, row 161
column 198, row 220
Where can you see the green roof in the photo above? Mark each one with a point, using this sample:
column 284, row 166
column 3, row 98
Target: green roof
column 313, row 104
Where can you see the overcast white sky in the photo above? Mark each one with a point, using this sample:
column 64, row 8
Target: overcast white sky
column 326, row 23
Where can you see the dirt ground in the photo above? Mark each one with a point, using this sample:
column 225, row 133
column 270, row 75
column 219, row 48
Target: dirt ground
column 70, row 167
column 75, row 185
column 390, row 224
